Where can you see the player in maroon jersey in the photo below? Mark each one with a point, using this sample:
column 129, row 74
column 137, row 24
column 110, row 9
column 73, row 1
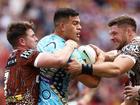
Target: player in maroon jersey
column 22, row 70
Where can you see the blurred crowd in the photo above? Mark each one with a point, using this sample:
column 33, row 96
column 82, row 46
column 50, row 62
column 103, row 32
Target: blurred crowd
column 94, row 15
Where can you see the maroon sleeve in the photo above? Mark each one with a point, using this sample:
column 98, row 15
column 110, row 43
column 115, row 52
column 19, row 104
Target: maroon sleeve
column 28, row 57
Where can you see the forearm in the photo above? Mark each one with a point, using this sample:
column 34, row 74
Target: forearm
column 111, row 69
column 106, row 69
column 88, row 80
column 65, row 54
column 55, row 60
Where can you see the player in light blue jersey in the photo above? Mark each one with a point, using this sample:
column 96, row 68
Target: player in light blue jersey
column 54, row 82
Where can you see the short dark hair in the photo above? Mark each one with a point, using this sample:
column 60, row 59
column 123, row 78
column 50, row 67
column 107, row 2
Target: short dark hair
column 64, row 13
column 123, row 21
column 16, row 30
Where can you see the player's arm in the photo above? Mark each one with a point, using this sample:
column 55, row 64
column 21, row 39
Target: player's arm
column 89, row 80
column 57, row 59
column 120, row 65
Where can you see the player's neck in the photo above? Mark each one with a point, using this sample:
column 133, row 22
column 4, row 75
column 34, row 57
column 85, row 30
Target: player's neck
column 21, row 47
column 60, row 34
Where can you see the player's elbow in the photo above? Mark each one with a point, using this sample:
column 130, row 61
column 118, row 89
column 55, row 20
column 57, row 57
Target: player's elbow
column 93, row 85
column 88, row 80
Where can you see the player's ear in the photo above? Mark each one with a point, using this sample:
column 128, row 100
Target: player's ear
column 22, row 41
column 129, row 31
column 62, row 26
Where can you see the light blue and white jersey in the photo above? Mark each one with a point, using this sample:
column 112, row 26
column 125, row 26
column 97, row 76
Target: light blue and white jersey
column 54, row 82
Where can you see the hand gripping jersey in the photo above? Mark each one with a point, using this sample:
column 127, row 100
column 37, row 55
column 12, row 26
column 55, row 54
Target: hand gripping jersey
column 21, row 87
column 54, row 82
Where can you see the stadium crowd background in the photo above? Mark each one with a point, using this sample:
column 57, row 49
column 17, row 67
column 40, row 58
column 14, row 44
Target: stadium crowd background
column 94, row 15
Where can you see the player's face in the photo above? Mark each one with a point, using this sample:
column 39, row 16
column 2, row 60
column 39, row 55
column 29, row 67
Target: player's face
column 118, row 36
column 72, row 28
column 31, row 40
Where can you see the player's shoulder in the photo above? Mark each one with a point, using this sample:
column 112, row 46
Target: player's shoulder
column 27, row 53
column 49, row 38
column 136, row 41
column 132, row 48
column 44, row 41
column 45, row 38
column 134, row 45
column 50, row 43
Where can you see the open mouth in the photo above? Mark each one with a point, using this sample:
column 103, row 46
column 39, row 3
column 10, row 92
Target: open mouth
column 78, row 35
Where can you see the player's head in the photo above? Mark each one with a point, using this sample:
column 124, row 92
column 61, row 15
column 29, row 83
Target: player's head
column 122, row 30
column 21, row 34
column 67, row 23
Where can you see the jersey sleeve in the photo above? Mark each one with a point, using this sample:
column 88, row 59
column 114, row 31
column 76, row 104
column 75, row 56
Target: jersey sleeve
column 28, row 57
column 47, row 44
column 132, row 51
column 50, row 44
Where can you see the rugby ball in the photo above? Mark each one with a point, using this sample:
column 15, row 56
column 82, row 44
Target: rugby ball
column 88, row 54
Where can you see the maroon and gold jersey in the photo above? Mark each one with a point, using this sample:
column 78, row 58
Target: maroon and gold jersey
column 21, row 85
column 132, row 50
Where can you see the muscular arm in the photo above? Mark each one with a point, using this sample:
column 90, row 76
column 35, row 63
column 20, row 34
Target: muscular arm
column 119, row 66
column 57, row 59
column 88, row 80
